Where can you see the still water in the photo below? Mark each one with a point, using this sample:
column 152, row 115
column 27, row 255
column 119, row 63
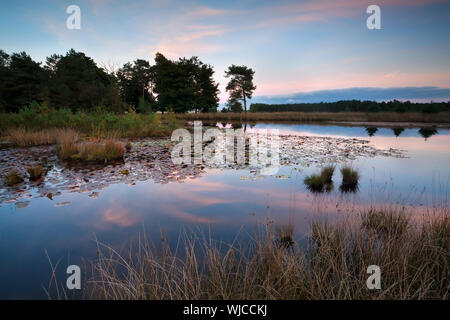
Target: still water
column 219, row 203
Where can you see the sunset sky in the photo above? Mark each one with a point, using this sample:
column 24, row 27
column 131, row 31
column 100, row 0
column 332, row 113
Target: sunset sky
column 294, row 46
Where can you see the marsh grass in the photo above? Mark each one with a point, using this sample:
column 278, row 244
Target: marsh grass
column 350, row 179
column 35, row 172
column 320, row 182
column 96, row 151
column 442, row 117
column 27, row 138
column 13, row 177
column 331, row 264
column 314, row 183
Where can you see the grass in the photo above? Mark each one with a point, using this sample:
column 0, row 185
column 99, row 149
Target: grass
column 350, row 179
column 319, row 182
column 314, row 183
column 35, row 172
column 98, row 151
column 13, row 177
column 98, row 123
column 28, row 138
column 442, row 117
column 331, row 263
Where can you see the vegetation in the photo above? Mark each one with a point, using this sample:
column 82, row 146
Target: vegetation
column 38, row 124
column 330, row 263
column 27, row 138
column 354, row 106
column 99, row 151
column 314, row 183
column 74, row 82
column 13, row 177
column 240, row 87
column 35, row 172
column 350, row 179
column 443, row 117
column 327, row 174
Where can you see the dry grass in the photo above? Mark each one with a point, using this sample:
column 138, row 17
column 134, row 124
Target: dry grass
column 414, row 260
column 26, row 138
column 35, row 172
column 442, row 117
column 97, row 151
column 13, row 177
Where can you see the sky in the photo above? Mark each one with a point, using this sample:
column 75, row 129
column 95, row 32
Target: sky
column 297, row 48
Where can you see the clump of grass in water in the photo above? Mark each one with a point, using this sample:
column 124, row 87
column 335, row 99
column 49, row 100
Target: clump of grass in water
column 285, row 235
column 35, row 172
column 13, row 177
column 350, row 179
column 331, row 265
column 319, row 182
column 314, row 183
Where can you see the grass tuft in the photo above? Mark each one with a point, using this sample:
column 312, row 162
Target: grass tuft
column 13, row 177
column 35, row 172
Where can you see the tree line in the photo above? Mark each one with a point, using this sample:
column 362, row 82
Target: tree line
column 74, row 81
column 353, row 106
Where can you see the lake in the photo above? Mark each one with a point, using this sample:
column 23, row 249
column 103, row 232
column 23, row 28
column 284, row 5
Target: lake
column 218, row 202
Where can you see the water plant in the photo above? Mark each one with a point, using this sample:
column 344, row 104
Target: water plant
column 13, row 177
column 327, row 174
column 314, row 183
column 35, row 172
column 350, row 179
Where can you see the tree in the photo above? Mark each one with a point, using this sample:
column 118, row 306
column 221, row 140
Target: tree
column 241, row 85
column 135, row 83
column 22, row 80
column 184, row 85
column 76, row 81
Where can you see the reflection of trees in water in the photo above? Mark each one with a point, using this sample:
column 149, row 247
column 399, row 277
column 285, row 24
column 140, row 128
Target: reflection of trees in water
column 398, row 131
column 427, row 132
column 371, row 131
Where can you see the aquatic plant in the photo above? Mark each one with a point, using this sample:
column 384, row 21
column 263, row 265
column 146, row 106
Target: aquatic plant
column 350, row 179
column 327, row 174
column 13, row 177
column 35, row 172
column 314, row 183
column 285, row 235
column 330, row 264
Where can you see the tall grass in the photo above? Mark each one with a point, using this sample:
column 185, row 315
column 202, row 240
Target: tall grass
column 331, row 264
column 97, row 151
column 27, row 138
column 98, row 123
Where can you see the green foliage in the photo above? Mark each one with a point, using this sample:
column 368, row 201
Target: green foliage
column 240, row 86
column 350, row 179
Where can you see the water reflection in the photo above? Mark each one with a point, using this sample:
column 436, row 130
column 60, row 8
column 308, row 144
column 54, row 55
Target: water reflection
column 398, row 131
column 427, row 132
column 371, row 131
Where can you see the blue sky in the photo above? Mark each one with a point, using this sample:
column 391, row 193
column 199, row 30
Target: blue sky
column 294, row 46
